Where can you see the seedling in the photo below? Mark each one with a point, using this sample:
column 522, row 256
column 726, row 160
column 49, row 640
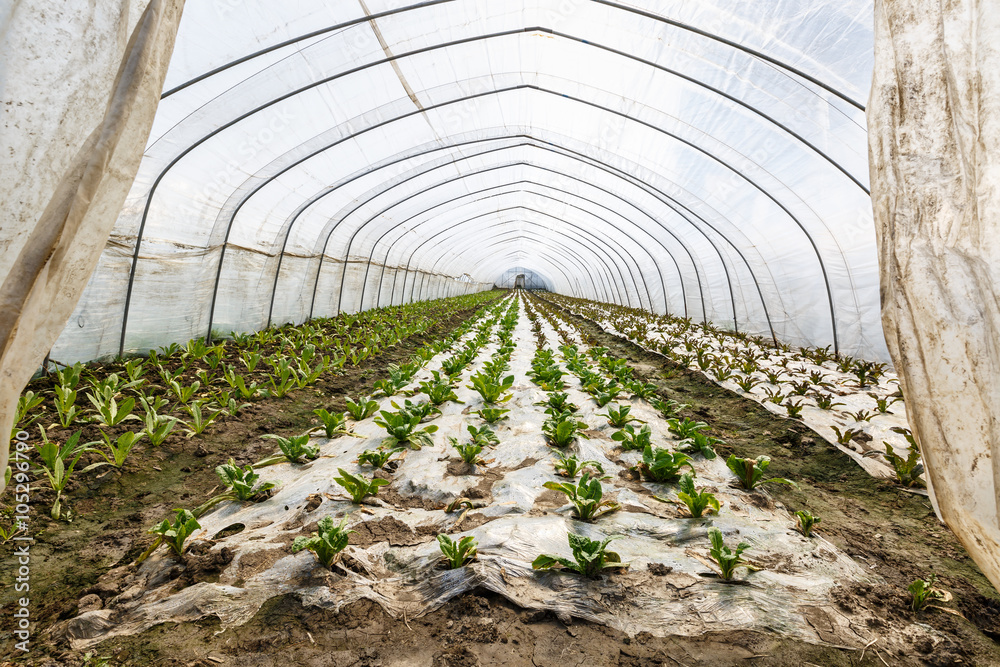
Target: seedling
column 293, row 450
column 378, row 458
column 334, row 423
column 458, row 553
column 119, row 449
column 571, row 466
column 825, row 401
column 632, row 439
column 421, row 409
column 66, row 409
column 727, row 560
column 58, row 464
column 750, row 472
column 199, row 421
column 794, row 409
column 483, row 435
column 883, row 402
column 669, row 408
column 492, row 415
column 364, row 408
column 176, row 533
column 358, row 487
column 469, row 452
column 847, row 435
column 747, row 383
column 806, row 521
column 439, row 390
column 618, row 418
column 697, row 502
column 491, row 390
column 587, row 497
column 158, row 427
column 241, row 482
column 922, row 592
column 559, row 402
column 862, row 415
column 590, row 557
column 907, row 470
column 403, row 428
column 700, row 442
column 182, row 392
column 662, row 465
column 326, row 543
column 562, row 429
column 685, row 428
column 605, row 395
column 109, row 411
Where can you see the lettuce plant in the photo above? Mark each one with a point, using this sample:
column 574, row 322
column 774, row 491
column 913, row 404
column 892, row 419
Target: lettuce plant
column 590, row 557
column 58, row 464
column 825, row 401
column 492, row 391
column 158, row 427
column 642, row 390
column 559, row 402
column 378, row 458
column 492, row 415
column 923, row 591
column 571, row 466
column 293, row 450
column 685, row 428
column 65, row 400
column 697, row 502
column 747, row 383
column 727, row 559
column 907, row 470
column 750, row 472
column 806, row 521
column 562, row 429
column 793, row 408
column 327, row 543
column 175, row 533
column 884, row 402
column 586, row 496
column 662, row 465
column 439, row 390
column 458, row 553
column 618, row 418
column 669, row 408
column 631, row 439
column 701, row 443
column 199, row 420
column 402, row 428
column 845, row 436
column 364, row 408
column 334, row 423
column 358, row 487
column 119, row 448
column 241, row 482
column 468, row 452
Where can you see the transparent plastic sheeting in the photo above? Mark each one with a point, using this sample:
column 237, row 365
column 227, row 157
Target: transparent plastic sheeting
column 702, row 158
column 791, row 597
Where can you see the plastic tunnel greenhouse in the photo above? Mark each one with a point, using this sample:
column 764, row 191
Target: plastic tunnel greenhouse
column 351, row 333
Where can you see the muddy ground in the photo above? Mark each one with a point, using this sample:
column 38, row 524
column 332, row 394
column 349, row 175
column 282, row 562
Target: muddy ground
column 877, row 523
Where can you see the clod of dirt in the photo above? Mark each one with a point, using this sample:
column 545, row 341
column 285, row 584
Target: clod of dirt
column 387, row 529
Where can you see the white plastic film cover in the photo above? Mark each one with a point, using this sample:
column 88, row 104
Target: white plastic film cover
column 79, row 90
column 935, row 164
column 705, row 159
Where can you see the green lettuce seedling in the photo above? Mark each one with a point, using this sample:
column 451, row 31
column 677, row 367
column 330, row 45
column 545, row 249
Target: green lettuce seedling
column 697, row 502
column 364, row 408
column 242, row 482
column 492, row 415
column 334, row 423
column 727, row 560
column 620, row 417
column 662, row 465
column 590, row 557
column 457, row 553
column 326, row 543
column 403, row 428
column 571, row 466
column 632, row 439
column 378, row 457
column 176, row 533
column 750, row 472
column 468, row 452
column 922, row 592
column 293, row 450
column 586, row 496
column 358, row 487
column 806, row 521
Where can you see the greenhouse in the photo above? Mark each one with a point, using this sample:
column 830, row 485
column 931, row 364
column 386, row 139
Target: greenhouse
column 544, row 332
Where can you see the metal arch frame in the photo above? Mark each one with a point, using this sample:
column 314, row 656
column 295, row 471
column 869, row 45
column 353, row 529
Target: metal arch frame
column 597, row 249
column 705, row 152
column 591, row 161
column 583, row 159
column 418, row 174
column 404, row 55
column 539, row 277
column 547, row 258
column 378, row 296
column 494, row 244
column 498, row 241
column 614, row 5
column 541, row 185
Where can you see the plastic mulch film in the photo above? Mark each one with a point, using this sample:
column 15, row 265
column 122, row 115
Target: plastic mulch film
column 395, row 559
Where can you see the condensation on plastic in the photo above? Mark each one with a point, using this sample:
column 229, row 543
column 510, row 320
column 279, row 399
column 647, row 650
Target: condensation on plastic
column 630, row 153
column 791, row 596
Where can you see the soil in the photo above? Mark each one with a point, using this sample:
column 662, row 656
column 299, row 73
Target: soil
column 875, row 522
